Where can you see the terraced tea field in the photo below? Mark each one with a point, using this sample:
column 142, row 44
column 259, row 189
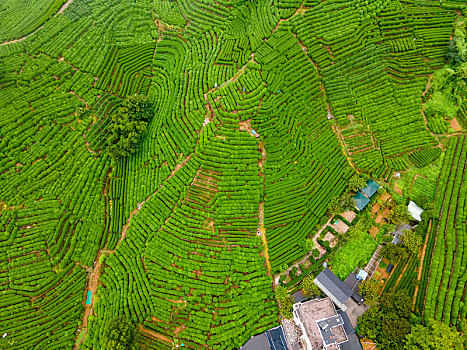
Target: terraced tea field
column 263, row 110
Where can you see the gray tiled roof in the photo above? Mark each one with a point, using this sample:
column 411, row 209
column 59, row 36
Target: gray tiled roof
column 334, row 285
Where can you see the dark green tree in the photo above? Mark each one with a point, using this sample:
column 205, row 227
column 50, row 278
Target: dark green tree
column 412, row 241
column 119, row 334
column 435, row 336
column 370, row 288
column 394, row 331
column 340, row 203
column 449, row 84
column 128, row 123
column 400, row 214
column 356, row 183
column 399, row 303
column 393, row 252
column 370, row 323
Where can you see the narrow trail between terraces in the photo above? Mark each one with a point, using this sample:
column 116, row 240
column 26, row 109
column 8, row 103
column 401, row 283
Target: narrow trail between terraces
column 61, row 10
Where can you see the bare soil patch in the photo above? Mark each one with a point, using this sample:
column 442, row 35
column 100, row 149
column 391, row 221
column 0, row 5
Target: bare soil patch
column 374, row 231
column 375, row 208
column 152, row 334
column 349, row 215
column 455, row 125
column 340, row 226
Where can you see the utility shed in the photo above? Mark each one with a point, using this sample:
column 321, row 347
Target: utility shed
column 361, row 200
column 334, row 288
column 371, row 188
column 415, row 211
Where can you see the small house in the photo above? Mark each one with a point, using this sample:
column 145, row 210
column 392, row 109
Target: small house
column 361, row 200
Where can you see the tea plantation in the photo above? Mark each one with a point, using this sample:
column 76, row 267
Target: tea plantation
column 263, row 111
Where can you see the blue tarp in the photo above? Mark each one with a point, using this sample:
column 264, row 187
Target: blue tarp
column 88, row 298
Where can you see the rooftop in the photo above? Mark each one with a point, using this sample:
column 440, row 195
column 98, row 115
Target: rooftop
column 272, row 339
column 333, row 286
column 308, row 313
column 415, row 211
column 332, row 330
column 371, row 188
column 324, row 327
column 361, row 200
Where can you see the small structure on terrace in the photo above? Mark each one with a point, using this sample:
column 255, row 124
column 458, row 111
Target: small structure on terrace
column 415, row 211
column 361, row 200
column 362, row 197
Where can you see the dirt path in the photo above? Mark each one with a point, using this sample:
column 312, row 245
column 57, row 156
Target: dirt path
column 307, row 256
column 261, row 228
column 79, row 98
column 225, row 83
column 455, row 125
column 300, row 10
column 24, row 37
column 152, row 334
column 402, row 274
column 422, row 257
column 262, row 234
column 64, row 6
column 93, row 283
column 421, row 107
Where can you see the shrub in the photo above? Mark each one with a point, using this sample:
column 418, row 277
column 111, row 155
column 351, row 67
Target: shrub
column 315, row 253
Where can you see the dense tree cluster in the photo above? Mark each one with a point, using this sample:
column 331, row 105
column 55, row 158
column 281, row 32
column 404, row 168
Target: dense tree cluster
column 449, row 84
column 340, row 203
column 128, row 124
column 412, row 241
column 119, row 334
column 435, row 336
column 386, row 322
column 309, row 288
column 393, row 252
column 285, row 301
column 400, row 214
column 390, row 323
column 356, row 183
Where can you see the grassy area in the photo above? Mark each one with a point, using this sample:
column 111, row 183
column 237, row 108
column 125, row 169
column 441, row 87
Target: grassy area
column 353, row 253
